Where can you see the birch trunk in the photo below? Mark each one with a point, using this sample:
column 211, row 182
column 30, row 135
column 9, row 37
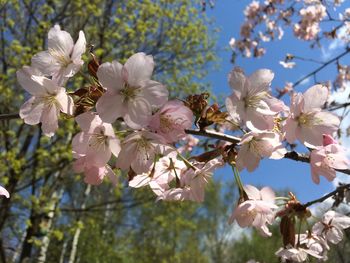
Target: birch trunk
column 77, row 232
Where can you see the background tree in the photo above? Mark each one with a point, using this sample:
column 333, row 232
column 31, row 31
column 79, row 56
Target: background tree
column 37, row 170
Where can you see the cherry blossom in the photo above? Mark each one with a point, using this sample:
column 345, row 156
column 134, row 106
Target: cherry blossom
column 4, row 192
column 251, row 99
column 192, row 182
column 47, row 101
column 97, row 140
column 331, row 226
column 257, row 145
column 308, row 27
column 295, row 254
column 314, row 243
column 165, row 170
column 325, row 159
column 257, row 210
column 62, row 60
column 252, row 10
column 131, row 94
column 171, row 121
column 94, row 175
column 232, row 43
column 139, row 150
column 306, row 121
column 190, row 142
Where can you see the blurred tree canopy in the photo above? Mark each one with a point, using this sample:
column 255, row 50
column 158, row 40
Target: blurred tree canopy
column 52, row 216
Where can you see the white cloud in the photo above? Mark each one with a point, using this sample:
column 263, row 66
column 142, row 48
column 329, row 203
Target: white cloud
column 335, row 44
column 305, row 81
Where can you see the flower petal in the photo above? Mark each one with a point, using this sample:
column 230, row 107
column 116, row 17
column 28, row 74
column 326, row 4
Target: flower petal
column 260, row 80
column 79, row 47
column 60, row 41
column 155, row 93
column 24, row 77
column 110, row 107
column 66, row 102
column 31, row 111
column 49, row 120
column 139, row 68
column 315, row 97
column 138, row 114
column 110, row 76
column 4, row 192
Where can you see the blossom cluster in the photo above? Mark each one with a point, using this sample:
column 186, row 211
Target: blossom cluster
column 267, row 20
column 131, row 126
column 257, row 208
column 152, row 126
column 308, row 27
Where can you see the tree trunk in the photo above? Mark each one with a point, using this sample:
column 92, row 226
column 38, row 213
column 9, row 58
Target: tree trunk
column 63, row 252
column 56, row 196
column 77, row 232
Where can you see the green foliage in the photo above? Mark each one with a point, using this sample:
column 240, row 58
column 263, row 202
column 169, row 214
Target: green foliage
column 37, row 170
column 254, row 246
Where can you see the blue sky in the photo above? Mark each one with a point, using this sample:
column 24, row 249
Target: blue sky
column 280, row 174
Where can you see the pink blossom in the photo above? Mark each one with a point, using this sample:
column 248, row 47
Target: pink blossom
column 165, row 170
column 311, row 16
column 252, row 10
column 306, row 121
column 246, row 29
column 139, row 150
column 131, row 94
column 257, row 145
column 295, row 254
column 257, row 211
column 4, row 192
column 176, row 194
column 331, row 226
column 325, row 159
column 314, row 242
column 97, row 140
column 63, row 58
column 190, row 142
column 47, row 101
column 171, row 121
column 192, row 183
column 94, row 175
column 232, row 43
column 251, row 99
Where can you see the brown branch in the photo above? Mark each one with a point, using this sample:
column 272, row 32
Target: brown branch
column 214, row 135
column 228, row 138
column 347, row 50
column 9, row 116
column 339, row 106
column 220, row 136
column 333, row 193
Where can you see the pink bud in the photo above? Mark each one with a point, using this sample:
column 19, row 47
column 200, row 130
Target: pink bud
column 328, row 139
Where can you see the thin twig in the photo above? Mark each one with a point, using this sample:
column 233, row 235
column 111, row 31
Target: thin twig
column 338, row 106
column 347, row 50
column 9, row 116
column 214, row 135
column 323, row 198
column 228, row 138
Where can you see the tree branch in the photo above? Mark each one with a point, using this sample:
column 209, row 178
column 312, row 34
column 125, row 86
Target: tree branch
column 214, row 135
column 228, row 138
column 333, row 193
column 347, row 50
column 9, row 116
